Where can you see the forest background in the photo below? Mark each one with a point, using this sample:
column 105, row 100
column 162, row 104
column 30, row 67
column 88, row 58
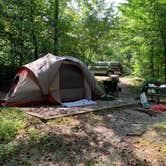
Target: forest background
column 134, row 33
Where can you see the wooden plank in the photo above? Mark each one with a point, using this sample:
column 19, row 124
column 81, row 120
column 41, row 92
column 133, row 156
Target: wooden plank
column 83, row 110
column 148, row 111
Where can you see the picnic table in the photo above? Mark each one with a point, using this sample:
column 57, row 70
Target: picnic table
column 106, row 78
column 156, row 92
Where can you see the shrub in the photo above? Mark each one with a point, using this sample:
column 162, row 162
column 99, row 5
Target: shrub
column 8, row 130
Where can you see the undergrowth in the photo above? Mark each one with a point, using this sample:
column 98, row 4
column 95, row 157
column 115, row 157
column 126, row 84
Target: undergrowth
column 11, row 122
column 8, row 129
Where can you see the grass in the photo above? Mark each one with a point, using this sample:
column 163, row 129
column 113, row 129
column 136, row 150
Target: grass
column 35, row 143
column 8, row 150
column 8, row 130
column 30, row 144
column 11, row 121
column 18, row 135
column 12, row 114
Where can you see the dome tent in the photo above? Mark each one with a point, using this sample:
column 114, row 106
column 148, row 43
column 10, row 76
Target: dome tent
column 52, row 79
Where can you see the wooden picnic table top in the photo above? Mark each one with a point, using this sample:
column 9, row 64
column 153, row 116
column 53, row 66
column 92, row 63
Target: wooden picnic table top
column 106, row 78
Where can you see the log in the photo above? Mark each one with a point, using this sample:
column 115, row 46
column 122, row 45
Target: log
column 148, row 111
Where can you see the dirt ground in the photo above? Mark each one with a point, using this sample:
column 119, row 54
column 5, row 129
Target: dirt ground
column 113, row 138
column 120, row 137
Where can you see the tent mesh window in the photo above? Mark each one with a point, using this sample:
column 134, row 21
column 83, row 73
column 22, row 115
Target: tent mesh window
column 71, row 82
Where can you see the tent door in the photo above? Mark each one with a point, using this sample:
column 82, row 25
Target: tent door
column 71, row 83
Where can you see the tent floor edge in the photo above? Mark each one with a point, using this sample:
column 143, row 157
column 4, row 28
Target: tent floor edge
column 23, row 104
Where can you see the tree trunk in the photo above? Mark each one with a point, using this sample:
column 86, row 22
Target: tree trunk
column 56, row 17
column 35, row 45
column 33, row 31
column 21, row 45
column 152, row 63
column 13, row 51
column 164, row 45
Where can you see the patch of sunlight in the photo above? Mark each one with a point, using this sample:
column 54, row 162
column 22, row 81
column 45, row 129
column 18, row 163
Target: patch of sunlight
column 163, row 148
column 61, row 120
column 93, row 118
column 160, row 126
column 102, row 78
column 146, row 142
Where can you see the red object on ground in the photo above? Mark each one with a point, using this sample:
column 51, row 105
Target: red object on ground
column 158, row 107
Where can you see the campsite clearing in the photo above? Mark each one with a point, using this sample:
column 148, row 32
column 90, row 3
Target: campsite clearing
column 121, row 137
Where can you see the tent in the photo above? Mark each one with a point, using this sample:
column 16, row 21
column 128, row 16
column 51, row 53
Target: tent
column 52, row 79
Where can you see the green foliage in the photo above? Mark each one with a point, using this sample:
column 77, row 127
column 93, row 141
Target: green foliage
column 34, row 134
column 88, row 30
column 28, row 29
column 8, row 130
column 143, row 36
column 13, row 114
column 11, row 121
